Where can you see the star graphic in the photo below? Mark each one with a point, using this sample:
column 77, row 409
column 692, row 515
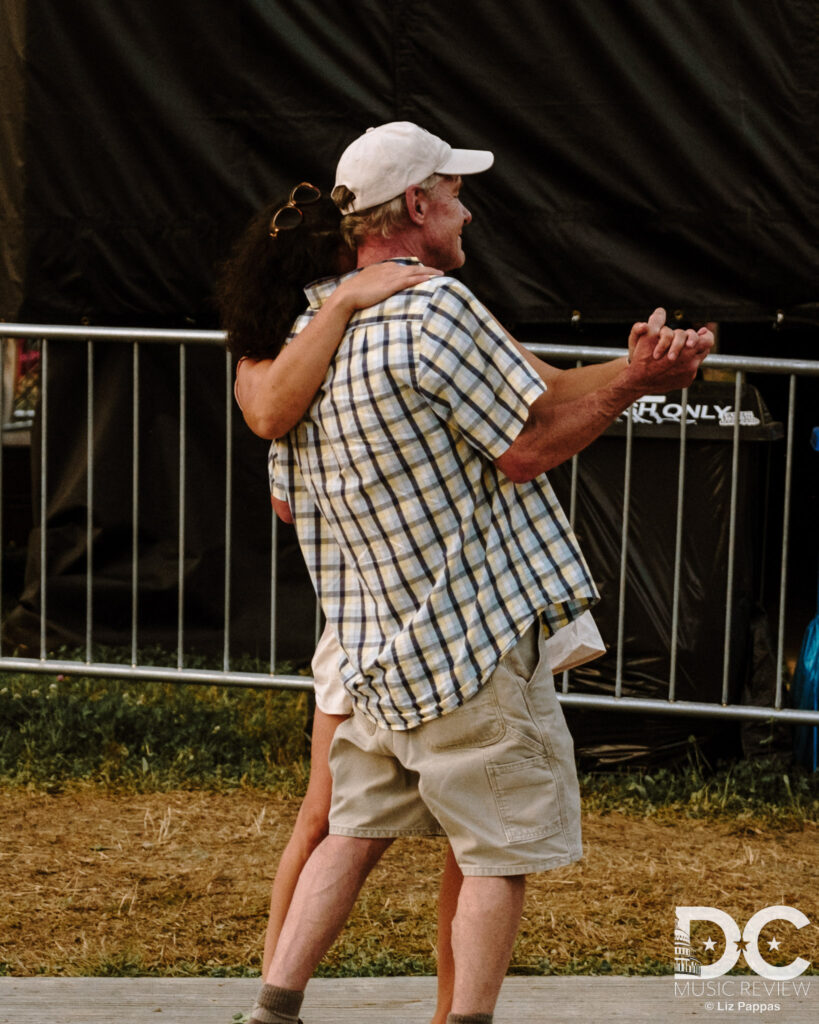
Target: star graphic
column 709, row 943
column 742, row 945
column 773, row 944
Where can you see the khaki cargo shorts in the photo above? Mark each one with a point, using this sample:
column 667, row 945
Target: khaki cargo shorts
column 497, row 775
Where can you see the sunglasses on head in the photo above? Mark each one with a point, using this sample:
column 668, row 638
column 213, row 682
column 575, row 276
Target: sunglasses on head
column 290, row 216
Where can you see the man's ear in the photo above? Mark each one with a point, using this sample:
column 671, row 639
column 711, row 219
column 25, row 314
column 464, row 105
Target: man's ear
column 416, row 200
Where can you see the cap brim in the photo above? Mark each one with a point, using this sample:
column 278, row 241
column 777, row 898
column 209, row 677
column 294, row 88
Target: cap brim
column 467, row 161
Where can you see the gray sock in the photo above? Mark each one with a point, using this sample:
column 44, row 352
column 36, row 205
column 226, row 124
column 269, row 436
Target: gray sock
column 469, row 1018
column 277, row 1006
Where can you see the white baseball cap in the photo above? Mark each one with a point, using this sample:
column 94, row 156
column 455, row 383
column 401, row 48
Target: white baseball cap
column 386, row 160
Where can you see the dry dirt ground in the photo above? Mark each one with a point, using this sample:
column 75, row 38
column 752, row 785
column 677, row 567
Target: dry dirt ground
column 103, row 883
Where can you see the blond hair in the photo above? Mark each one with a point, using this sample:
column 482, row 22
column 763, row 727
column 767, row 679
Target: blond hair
column 385, row 219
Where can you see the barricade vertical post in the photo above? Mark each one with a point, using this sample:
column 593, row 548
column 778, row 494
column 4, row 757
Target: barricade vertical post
column 3, row 413
column 228, row 500
column 317, row 626
column 621, row 607
column 572, row 516
column 135, row 503
column 180, row 627
column 89, row 501
column 786, row 519
column 732, row 530
column 675, row 593
column 274, row 575
column 43, row 493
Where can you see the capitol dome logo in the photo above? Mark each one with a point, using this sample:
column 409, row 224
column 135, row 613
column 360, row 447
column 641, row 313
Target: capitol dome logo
column 686, row 965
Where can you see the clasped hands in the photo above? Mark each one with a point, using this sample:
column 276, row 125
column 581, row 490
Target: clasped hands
column 666, row 358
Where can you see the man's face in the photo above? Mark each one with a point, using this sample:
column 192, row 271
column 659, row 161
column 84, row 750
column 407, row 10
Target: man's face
column 445, row 219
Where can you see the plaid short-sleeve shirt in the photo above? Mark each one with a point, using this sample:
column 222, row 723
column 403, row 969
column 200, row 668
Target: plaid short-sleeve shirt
column 428, row 561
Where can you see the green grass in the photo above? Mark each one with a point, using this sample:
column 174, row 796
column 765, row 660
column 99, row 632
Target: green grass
column 763, row 788
column 163, row 736
column 150, row 736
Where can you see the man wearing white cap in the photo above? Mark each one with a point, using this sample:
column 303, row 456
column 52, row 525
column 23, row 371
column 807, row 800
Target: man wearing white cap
column 442, row 559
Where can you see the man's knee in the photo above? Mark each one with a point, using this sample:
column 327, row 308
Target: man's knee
column 311, row 825
column 365, row 851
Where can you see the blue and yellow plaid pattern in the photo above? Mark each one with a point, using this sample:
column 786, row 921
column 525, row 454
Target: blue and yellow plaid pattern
column 429, row 562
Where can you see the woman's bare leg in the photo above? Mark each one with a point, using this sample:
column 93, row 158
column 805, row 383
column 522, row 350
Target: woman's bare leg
column 447, row 905
column 308, row 832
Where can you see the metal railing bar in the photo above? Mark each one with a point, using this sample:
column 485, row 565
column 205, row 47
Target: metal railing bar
column 749, row 364
column 699, row 709
column 786, row 519
column 180, row 622
column 135, row 505
column 228, row 500
column 586, row 353
column 621, row 599
column 261, row 680
column 89, row 501
column 675, row 591
column 67, row 332
column 155, row 673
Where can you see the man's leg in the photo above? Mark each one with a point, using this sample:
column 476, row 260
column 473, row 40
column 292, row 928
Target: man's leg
column 325, row 894
column 483, row 934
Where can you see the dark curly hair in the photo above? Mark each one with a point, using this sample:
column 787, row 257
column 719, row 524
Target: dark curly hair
column 260, row 287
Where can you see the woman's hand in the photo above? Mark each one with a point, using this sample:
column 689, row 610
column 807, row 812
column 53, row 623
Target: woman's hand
column 274, row 395
column 380, row 280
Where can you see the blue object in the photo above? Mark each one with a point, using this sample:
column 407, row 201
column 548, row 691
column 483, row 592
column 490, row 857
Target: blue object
column 806, row 695
column 806, row 679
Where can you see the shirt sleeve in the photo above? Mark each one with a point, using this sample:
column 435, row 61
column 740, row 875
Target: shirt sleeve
column 470, row 372
column 278, row 461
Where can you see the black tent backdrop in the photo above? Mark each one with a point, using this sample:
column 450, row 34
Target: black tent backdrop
column 646, row 153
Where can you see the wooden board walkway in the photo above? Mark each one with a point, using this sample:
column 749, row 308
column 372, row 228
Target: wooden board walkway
column 562, row 1000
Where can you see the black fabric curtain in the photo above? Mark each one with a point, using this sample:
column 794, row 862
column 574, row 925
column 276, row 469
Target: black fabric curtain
column 646, row 153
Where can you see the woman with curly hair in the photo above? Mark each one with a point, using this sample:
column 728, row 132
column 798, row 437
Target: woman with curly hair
column 260, row 293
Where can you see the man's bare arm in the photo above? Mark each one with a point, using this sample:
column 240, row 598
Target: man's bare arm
column 557, row 429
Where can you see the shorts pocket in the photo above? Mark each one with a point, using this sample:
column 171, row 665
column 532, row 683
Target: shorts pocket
column 527, row 796
column 478, row 723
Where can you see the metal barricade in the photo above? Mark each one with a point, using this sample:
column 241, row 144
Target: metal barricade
column 228, row 675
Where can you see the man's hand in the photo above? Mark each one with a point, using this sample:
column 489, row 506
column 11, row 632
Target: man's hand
column 663, row 359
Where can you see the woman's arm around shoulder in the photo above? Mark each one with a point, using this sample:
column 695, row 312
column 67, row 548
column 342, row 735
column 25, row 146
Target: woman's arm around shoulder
column 274, row 394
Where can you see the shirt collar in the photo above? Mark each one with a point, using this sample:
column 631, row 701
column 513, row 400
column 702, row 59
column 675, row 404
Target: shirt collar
column 319, row 291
